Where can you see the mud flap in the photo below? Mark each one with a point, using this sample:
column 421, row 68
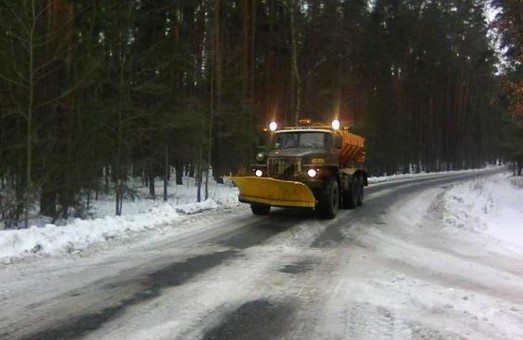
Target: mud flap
column 270, row 191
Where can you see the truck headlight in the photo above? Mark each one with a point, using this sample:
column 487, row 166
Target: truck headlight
column 258, row 173
column 312, row 173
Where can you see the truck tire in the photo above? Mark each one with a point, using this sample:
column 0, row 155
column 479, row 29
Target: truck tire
column 359, row 201
column 351, row 195
column 260, row 209
column 329, row 201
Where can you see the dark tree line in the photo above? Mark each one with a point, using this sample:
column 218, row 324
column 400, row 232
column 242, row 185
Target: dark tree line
column 94, row 92
column 509, row 24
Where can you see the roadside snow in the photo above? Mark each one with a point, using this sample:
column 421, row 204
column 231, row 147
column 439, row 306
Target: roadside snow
column 446, row 263
column 409, row 176
column 439, row 263
column 490, row 209
column 141, row 216
column 490, row 206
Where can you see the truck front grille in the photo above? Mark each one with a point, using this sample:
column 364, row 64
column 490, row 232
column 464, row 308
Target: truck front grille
column 283, row 167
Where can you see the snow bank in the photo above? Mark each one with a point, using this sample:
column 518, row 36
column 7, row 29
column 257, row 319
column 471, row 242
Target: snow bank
column 488, row 207
column 400, row 177
column 140, row 216
column 55, row 240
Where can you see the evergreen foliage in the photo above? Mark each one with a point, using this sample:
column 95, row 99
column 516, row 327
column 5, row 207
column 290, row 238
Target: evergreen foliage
column 93, row 92
column 509, row 24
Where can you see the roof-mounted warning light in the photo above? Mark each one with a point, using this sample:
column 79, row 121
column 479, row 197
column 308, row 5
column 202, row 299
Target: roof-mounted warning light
column 304, row 122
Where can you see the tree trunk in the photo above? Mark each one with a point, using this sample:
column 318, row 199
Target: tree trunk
column 178, row 168
column 166, row 172
column 29, row 115
column 152, row 191
column 48, row 203
column 245, row 45
column 199, row 183
column 296, row 89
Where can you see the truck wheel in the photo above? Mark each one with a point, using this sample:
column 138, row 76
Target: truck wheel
column 260, row 209
column 359, row 201
column 350, row 196
column 328, row 205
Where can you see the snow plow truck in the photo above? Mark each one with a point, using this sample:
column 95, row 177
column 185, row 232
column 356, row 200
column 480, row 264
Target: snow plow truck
column 307, row 166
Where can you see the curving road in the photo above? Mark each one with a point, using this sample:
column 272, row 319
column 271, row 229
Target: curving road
column 382, row 271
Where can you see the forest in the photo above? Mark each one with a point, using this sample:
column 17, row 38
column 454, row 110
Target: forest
column 93, row 93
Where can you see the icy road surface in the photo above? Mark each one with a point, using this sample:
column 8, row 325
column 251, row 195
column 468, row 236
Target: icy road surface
column 400, row 267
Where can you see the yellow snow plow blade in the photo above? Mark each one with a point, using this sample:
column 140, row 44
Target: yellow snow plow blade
column 270, row 191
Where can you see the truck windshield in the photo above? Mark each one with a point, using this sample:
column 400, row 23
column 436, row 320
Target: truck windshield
column 288, row 140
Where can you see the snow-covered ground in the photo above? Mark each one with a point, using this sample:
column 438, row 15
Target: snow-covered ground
column 450, row 260
column 490, row 209
column 140, row 215
column 420, row 260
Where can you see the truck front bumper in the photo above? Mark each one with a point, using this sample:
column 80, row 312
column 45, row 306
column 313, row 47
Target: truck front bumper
column 274, row 192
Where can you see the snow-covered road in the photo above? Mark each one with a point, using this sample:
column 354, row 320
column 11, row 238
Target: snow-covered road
column 420, row 260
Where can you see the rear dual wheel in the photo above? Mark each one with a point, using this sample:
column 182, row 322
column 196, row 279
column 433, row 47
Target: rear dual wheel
column 354, row 195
